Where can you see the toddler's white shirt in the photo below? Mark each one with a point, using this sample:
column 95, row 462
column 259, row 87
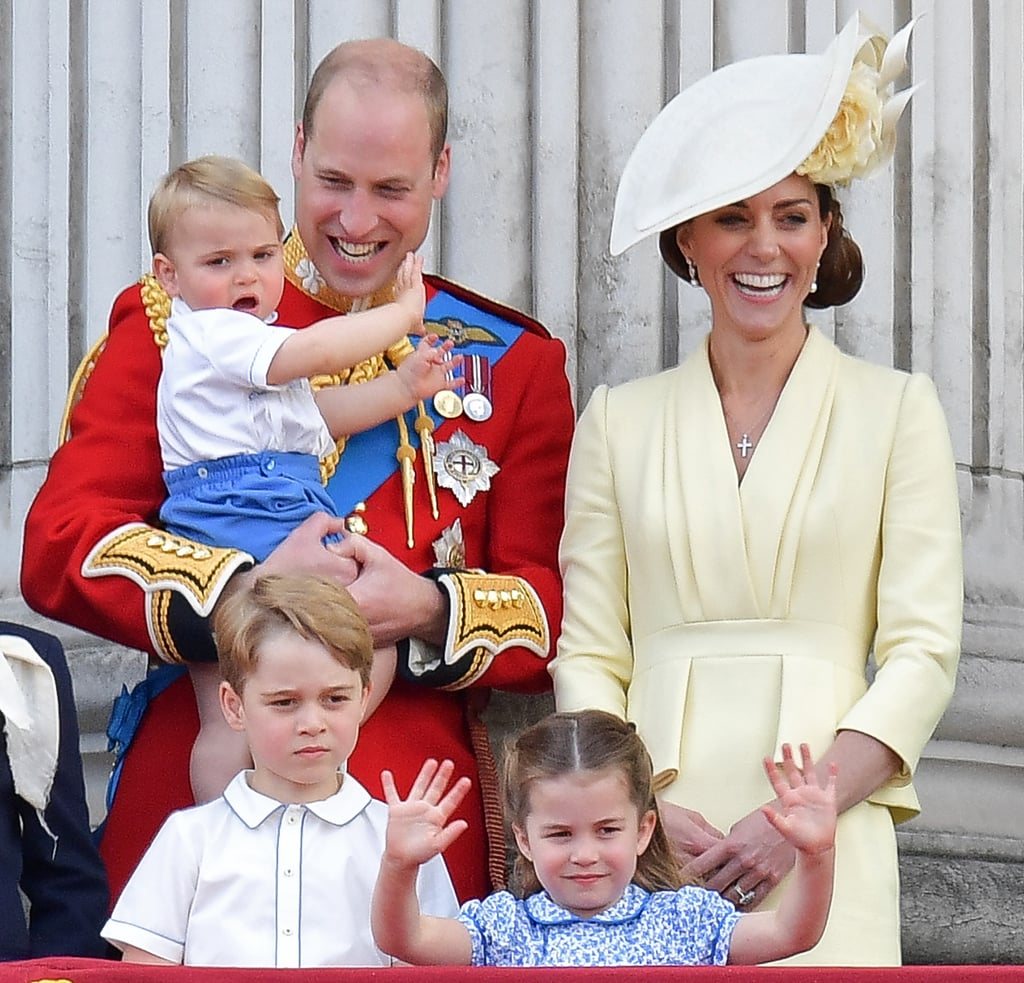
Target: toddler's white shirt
column 213, row 399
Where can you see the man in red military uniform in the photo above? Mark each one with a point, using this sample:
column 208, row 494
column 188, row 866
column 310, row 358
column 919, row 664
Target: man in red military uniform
column 453, row 512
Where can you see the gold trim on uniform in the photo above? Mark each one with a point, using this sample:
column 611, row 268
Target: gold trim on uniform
column 461, row 333
column 158, row 623
column 490, row 613
column 302, row 273
column 157, row 561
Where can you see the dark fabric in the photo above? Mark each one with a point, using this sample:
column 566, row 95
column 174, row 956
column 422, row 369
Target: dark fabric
column 66, row 887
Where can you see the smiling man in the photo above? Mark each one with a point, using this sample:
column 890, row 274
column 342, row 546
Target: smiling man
column 460, row 510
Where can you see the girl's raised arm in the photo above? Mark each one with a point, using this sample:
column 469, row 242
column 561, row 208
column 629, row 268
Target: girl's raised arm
column 419, row 827
column 805, row 814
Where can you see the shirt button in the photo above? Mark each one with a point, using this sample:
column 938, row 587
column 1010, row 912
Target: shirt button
column 288, row 872
column 202, row 472
column 286, row 931
column 271, row 464
column 292, row 818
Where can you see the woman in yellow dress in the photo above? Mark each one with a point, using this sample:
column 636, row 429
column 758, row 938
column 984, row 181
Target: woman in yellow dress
column 762, row 545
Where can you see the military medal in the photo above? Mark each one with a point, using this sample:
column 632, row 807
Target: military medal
column 448, row 402
column 476, row 404
column 463, row 467
column 450, row 547
column 355, row 521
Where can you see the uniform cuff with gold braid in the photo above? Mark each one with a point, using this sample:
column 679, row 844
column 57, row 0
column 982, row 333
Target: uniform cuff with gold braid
column 487, row 614
column 182, row 581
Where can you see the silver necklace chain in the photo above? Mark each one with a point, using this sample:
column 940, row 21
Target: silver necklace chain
column 746, row 445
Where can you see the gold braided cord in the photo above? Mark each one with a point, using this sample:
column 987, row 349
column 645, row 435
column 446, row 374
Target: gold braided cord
column 157, row 306
column 78, row 381
column 406, row 457
column 302, row 274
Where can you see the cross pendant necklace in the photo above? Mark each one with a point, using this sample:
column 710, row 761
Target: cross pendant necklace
column 745, row 445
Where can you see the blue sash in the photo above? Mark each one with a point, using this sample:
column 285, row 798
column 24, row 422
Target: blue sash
column 369, row 459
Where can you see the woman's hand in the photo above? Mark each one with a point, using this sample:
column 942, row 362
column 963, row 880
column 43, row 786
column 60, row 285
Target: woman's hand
column 747, row 863
column 761, row 848
column 688, row 831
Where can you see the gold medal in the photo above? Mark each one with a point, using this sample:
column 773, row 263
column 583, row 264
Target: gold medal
column 448, row 403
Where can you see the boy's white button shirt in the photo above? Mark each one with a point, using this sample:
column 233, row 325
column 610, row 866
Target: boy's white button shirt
column 248, row 881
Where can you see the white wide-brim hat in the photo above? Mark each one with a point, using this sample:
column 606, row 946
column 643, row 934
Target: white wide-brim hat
column 747, row 126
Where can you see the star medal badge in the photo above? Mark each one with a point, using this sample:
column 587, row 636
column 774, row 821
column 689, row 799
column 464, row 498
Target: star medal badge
column 463, row 467
column 450, row 547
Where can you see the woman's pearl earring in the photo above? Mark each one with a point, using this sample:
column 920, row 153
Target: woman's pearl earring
column 692, row 270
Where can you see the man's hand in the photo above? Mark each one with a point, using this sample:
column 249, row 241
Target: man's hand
column 396, row 602
column 303, row 551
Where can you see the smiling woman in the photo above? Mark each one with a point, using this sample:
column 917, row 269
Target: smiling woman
column 784, row 513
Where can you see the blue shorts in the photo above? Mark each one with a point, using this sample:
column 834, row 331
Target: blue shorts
column 250, row 501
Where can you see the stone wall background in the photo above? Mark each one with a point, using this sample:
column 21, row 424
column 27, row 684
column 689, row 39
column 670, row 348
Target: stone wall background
column 102, row 96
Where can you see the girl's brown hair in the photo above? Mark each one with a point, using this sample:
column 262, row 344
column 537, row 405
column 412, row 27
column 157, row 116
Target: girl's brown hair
column 587, row 740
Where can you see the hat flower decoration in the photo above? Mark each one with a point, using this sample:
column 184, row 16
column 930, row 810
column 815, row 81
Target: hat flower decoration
column 862, row 135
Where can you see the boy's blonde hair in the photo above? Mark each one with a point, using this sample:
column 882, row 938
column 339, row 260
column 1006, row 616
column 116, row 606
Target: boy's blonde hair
column 200, row 181
column 317, row 608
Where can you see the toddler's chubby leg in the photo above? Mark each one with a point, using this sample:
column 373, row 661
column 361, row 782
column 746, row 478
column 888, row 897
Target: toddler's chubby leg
column 219, row 752
column 385, row 660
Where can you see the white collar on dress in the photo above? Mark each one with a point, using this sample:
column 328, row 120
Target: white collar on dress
column 542, row 910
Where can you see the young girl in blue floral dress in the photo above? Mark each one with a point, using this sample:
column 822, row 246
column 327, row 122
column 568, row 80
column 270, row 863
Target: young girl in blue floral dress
column 599, row 883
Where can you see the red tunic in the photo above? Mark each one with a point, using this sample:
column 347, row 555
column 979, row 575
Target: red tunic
column 108, row 475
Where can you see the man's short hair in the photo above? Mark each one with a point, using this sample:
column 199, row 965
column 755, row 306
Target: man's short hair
column 317, row 608
column 206, row 179
column 384, row 63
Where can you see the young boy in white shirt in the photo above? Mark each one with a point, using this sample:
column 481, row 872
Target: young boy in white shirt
column 278, row 871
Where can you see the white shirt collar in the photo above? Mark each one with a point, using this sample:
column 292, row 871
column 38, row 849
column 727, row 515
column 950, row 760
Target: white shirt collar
column 254, row 808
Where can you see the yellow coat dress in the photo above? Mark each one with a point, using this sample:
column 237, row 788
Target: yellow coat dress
column 726, row 618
